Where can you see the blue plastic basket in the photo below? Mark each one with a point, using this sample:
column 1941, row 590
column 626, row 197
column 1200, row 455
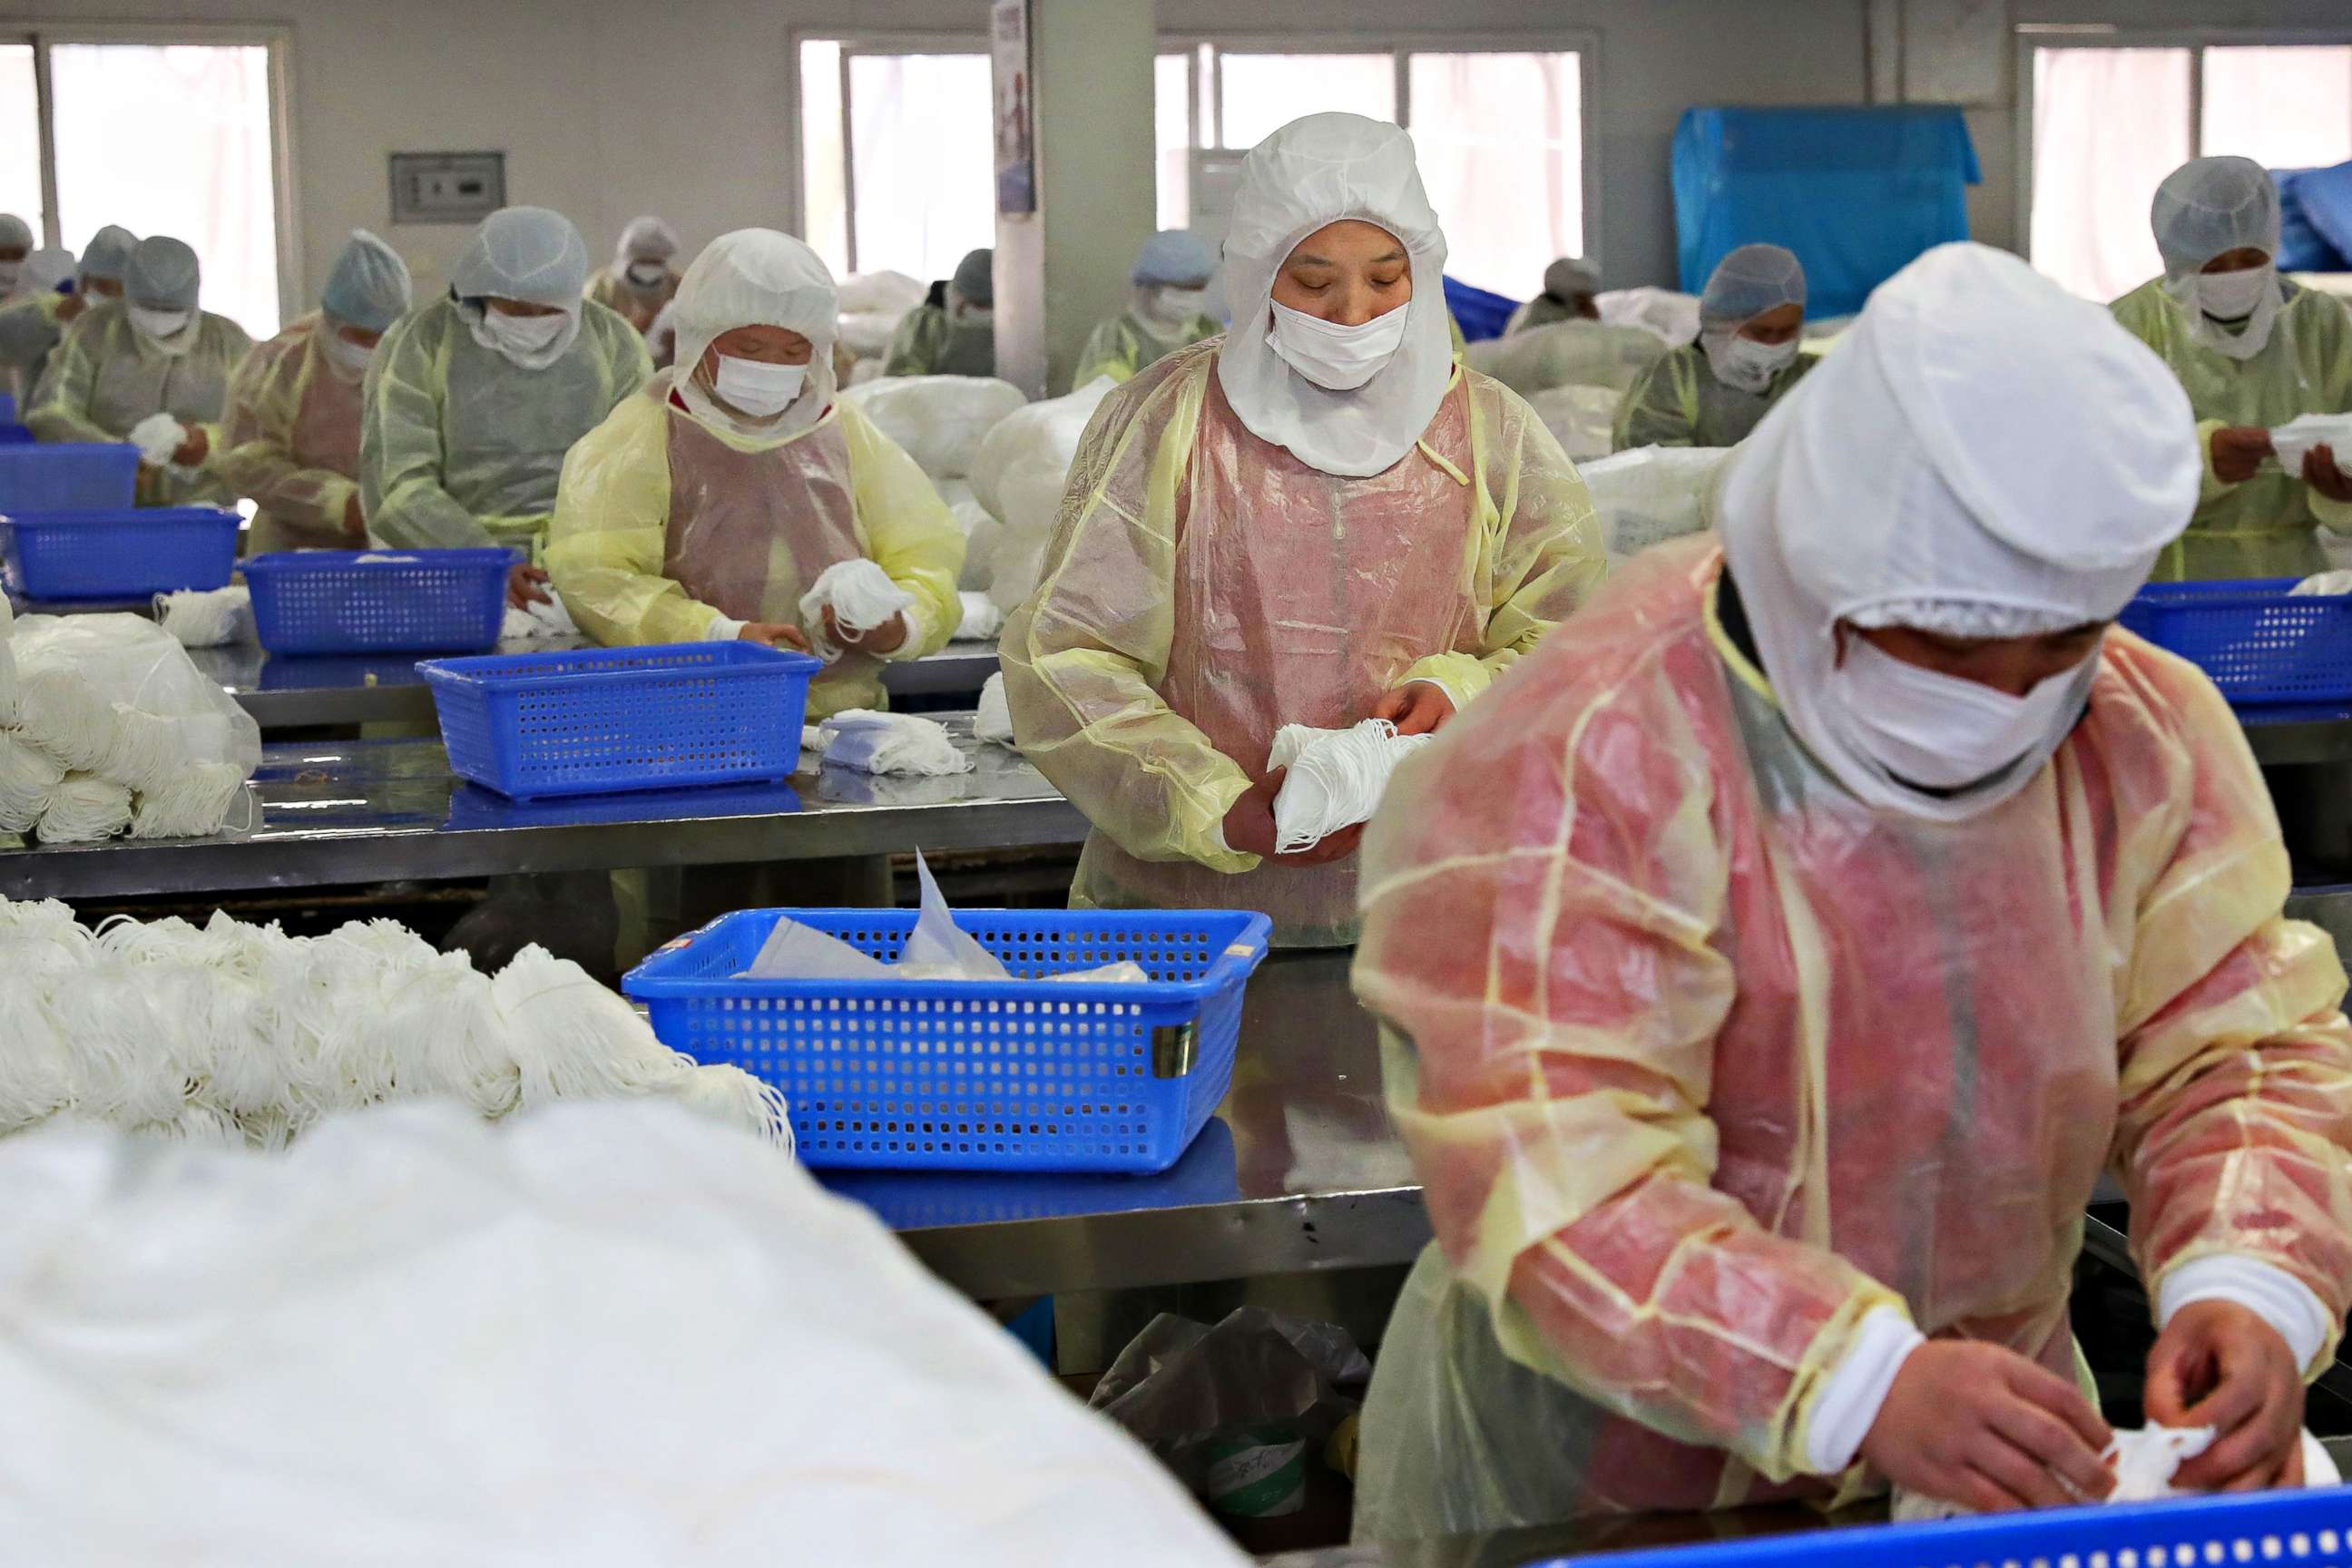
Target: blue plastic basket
column 2255, row 644
column 127, row 552
column 67, row 476
column 603, row 720
column 2293, row 1529
column 344, row 601
column 1020, row 1075
column 15, row 435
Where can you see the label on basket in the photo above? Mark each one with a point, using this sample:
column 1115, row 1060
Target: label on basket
column 1239, row 949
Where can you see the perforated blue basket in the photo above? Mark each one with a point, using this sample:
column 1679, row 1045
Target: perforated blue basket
column 130, row 553
column 1022, row 1075
column 2256, row 645
column 2292, row 1529
column 347, row 601
column 602, row 720
column 67, row 476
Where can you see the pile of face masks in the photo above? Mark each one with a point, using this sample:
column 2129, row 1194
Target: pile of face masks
column 195, row 617
column 1335, row 780
column 861, row 597
column 869, row 742
column 238, row 1034
column 993, row 723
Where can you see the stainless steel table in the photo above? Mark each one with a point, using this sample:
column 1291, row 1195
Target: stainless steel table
column 2290, row 735
column 308, row 693
column 1300, row 1170
column 371, row 811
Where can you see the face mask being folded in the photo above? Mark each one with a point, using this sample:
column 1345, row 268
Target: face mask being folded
column 2234, row 296
column 757, row 388
column 159, row 324
column 1939, row 731
column 1335, row 358
column 1744, row 363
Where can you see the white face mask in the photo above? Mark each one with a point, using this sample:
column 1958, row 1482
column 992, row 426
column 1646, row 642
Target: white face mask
column 525, row 334
column 1939, row 730
column 759, row 389
column 2234, row 296
column 1335, row 358
column 1176, row 306
column 158, row 323
column 352, row 358
column 1744, row 363
column 647, row 274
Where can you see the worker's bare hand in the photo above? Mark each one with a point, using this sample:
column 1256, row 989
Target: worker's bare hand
column 775, row 633
column 1417, row 708
column 525, row 587
column 355, row 520
column 2320, row 472
column 191, row 452
column 2238, row 451
column 2218, row 1364
column 1982, row 1427
column 1249, row 829
column 886, row 639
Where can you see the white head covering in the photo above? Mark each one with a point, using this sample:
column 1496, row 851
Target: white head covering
column 2205, row 209
column 1311, row 173
column 15, row 234
column 529, row 254
column 369, row 285
column 756, row 278
column 646, row 239
column 1985, row 455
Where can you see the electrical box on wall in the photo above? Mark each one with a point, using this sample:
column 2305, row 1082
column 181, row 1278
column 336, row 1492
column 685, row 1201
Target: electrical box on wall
column 447, row 188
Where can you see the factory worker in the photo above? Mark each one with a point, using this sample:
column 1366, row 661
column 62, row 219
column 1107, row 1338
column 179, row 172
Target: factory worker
column 17, row 243
column 1570, row 286
column 291, row 441
column 31, row 328
column 472, row 401
column 1169, row 311
column 953, row 334
column 1317, row 518
column 706, row 506
column 152, row 351
column 1712, row 392
column 28, row 324
column 1768, row 972
column 639, row 282
column 2254, row 350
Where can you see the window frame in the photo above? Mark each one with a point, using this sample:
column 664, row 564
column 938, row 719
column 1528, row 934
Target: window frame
column 853, row 43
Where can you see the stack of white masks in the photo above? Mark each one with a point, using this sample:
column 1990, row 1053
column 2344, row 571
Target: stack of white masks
column 870, row 742
column 195, row 617
column 549, row 619
column 993, row 723
column 1335, row 780
column 861, row 597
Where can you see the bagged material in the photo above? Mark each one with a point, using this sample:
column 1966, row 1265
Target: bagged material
column 941, row 420
column 993, row 723
column 871, row 742
column 2294, row 440
column 1672, row 317
column 1335, row 779
column 861, row 595
column 629, row 1340
column 195, row 617
column 1583, row 419
column 1019, row 476
column 84, row 809
column 1569, row 353
column 872, row 305
column 1653, row 494
column 28, row 778
column 982, row 619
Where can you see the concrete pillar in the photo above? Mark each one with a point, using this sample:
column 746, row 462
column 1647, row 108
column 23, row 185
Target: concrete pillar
column 1064, row 268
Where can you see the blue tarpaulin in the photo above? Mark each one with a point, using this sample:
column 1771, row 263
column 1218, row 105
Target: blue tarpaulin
column 1480, row 314
column 1856, row 192
column 2315, row 218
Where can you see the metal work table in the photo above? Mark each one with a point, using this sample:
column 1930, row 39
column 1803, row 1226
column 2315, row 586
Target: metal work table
column 359, row 688
column 1300, row 1170
column 2289, row 734
column 369, row 811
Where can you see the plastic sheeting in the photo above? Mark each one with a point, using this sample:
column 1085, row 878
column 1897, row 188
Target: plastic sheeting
column 1857, row 193
column 941, row 420
column 1480, row 314
column 1019, row 475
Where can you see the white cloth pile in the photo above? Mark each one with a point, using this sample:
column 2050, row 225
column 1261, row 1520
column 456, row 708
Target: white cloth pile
column 2144, row 1462
column 861, row 597
column 1335, row 779
column 867, row 741
column 872, row 305
column 982, row 619
column 993, row 723
column 1672, row 317
column 941, row 420
column 1022, row 468
column 1583, row 419
column 1651, row 494
column 600, row 1335
column 2294, row 440
column 157, row 437
column 201, row 618
column 549, row 619
column 106, row 725
column 1568, row 353
column 239, row 1034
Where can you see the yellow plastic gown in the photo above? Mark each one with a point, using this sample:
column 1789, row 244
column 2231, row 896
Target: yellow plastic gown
column 1124, row 344
column 1681, row 402
column 291, row 442
column 459, row 447
column 639, row 307
column 30, row 333
column 2268, row 526
column 1205, row 588
column 928, row 344
column 104, row 378
column 664, row 523
column 1699, row 1060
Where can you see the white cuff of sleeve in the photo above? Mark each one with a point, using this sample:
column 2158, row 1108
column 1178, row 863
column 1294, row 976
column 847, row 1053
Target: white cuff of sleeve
column 2265, row 1289
column 1849, row 1401
column 917, row 633
column 722, row 629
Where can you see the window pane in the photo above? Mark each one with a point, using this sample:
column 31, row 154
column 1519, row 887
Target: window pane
column 2108, row 125
column 825, row 203
column 20, row 137
column 1262, row 93
column 1502, row 153
column 174, row 139
column 2284, row 108
column 922, row 137
column 1171, row 84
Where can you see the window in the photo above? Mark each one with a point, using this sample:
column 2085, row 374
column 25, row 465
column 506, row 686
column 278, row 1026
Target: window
column 1500, row 135
column 897, row 159
column 20, row 137
column 2111, row 121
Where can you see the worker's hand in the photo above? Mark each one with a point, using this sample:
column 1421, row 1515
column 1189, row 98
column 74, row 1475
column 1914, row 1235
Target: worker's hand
column 191, row 452
column 2238, row 451
column 2320, row 472
column 525, row 587
column 71, row 306
column 773, row 634
column 886, row 639
column 355, row 520
column 2218, row 1364
column 1982, row 1427
column 1249, row 829
column 1416, row 708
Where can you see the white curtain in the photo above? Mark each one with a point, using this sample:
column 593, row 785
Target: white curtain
column 921, row 140
column 20, row 137
column 2108, row 125
column 1501, row 147
column 175, row 139
column 2286, row 108
column 1262, row 93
